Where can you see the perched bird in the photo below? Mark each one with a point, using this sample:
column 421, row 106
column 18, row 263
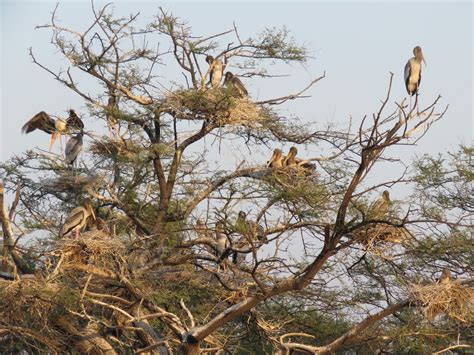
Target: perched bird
column 381, row 207
column 445, row 276
column 413, row 71
column 73, row 148
column 45, row 123
column 78, row 218
column 292, row 160
column 251, row 228
column 221, row 240
column 231, row 81
column 276, row 161
column 216, row 70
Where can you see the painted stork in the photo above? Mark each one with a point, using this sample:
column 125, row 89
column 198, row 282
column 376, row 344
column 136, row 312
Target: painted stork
column 45, row 123
column 231, row 81
column 292, row 160
column 276, row 161
column 221, row 240
column 73, row 148
column 78, row 218
column 216, row 70
column 413, row 71
column 381, row 207
column 250, row 227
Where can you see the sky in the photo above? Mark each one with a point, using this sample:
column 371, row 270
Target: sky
column 356, row 44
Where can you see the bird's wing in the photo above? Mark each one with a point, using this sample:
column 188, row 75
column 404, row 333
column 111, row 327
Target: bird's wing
column 74, row 121
column 407, row 75
column 40, row 121
column 239, row 86
column 74, row 219
column 73, row 148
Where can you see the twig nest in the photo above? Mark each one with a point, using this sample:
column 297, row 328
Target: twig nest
column 218, row 105
column 70, row 181
column 450, row 298
column 378, row 239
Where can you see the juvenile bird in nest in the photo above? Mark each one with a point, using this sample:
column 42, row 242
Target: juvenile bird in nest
column 231, row 81
column 276, row 161
column 216, row 70
column 78, row 218
column 381, row 207
column 292, row 160
column 445, row 276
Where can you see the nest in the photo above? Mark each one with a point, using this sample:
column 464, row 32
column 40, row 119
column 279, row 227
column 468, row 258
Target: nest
column 95, row 246
column 70, row 181
column 114, row 147
column 449, row 297
column 218, row 104
column 378, row 239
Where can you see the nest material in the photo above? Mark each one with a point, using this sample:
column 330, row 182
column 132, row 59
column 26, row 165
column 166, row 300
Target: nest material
column 95, row 247
column 217, row 104
column 378, row 239
column 70, row 181
column 108, row 147
column 449, row 297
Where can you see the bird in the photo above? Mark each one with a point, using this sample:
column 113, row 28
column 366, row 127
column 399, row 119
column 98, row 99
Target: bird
column 292, row 160
column 251, row 228
column 78, row 218
column 216, row 70
column 276, row 161
column 381, row 207
column 231, row 81
column 73, row 148
column 221, row 240
column 413, row 71
column 445, row 276
column 45, row 123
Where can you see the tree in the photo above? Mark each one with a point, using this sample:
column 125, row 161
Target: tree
column 310, row 268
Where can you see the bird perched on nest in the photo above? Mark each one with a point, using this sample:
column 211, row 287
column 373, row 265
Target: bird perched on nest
column 45, row 123
column 292, row 160
column 413, row 71
column 231, row 81
column 216, row 69
column 381, row 207
column 73, row 148
column 78, row 218
column 276, row 161
column 221, row 240
column 445, row 276
column 243, row 226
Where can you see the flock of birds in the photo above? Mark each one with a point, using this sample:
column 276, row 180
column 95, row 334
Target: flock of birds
column 79, row 217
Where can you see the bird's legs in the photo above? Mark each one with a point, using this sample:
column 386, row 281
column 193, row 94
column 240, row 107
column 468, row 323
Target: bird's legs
column 61, row 144
column 53, row 140
column 77, row 233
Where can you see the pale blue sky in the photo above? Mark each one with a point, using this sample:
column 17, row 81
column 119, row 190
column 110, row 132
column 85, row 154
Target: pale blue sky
column 356, row 43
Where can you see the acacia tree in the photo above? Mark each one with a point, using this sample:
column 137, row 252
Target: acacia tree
column 318, row 268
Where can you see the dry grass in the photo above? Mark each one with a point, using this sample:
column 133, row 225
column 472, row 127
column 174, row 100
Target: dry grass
column 217, row 104
column 378, row 239
column 95, row 247
column 71, row 181
column 449, row 297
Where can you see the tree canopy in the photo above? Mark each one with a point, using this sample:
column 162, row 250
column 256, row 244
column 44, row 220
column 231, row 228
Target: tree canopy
column 180, row 252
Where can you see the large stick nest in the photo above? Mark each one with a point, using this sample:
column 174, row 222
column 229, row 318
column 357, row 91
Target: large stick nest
column 218, row 105
column 449, row 297
column 379, row 239
column 71, row 181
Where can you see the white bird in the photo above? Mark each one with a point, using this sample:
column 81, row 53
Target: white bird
column 221, row 240
column 78, row 218
column 413, row 71
column 381, row 207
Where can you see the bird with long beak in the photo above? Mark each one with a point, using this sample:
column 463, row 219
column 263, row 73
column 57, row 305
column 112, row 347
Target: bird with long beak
column 276, row 161
column 413, row 71
column 292, row 160
column 216, row 69
column 231, row 81
column 78, row 218
column 45, row 123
